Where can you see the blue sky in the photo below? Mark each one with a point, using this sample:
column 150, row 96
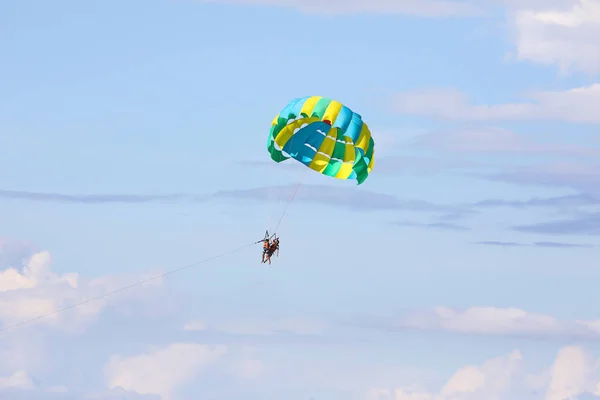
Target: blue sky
column 133, row 140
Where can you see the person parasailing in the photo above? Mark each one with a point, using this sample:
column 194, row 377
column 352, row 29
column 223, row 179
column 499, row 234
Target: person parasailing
column 266, row 241
column 274, row 247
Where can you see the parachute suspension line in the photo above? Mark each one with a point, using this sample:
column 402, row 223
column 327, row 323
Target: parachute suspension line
column 122, row 289
column 277, row 197
column 279, row 202
column 270, row 195
column 292, row 196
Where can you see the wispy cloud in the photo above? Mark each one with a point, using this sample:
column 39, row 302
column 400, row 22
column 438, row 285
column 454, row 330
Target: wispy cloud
column 500, row 244
column 353, row 198
column 289, row 165
column 408, row 164
column 574, row 105
column 421, row 165
column 492, row 321
column 433, row 225
column 570, row 166
column 578, row 176
column 496, row 140
column 298, row 326
column 558, row 245
column 88, row 199
column 588, row 224
column 575, row 200
column 425, row 8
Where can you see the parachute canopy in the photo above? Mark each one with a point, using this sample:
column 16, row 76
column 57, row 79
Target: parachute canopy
column 324, row 135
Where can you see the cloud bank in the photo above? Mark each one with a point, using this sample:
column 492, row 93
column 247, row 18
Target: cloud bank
column 575, row 374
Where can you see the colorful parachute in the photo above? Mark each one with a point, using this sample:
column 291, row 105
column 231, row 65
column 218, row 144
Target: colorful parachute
column 324, row 135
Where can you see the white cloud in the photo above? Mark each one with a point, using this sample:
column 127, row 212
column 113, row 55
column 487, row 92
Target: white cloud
column 35, row 272
column 496, row 321
column 564, row 33
column 36, row 290
column 577, row 105
column 491, row 381
column 426, row 8
column 162, row 371
column 18, row 380
column 574, row 374
column 300, row 326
